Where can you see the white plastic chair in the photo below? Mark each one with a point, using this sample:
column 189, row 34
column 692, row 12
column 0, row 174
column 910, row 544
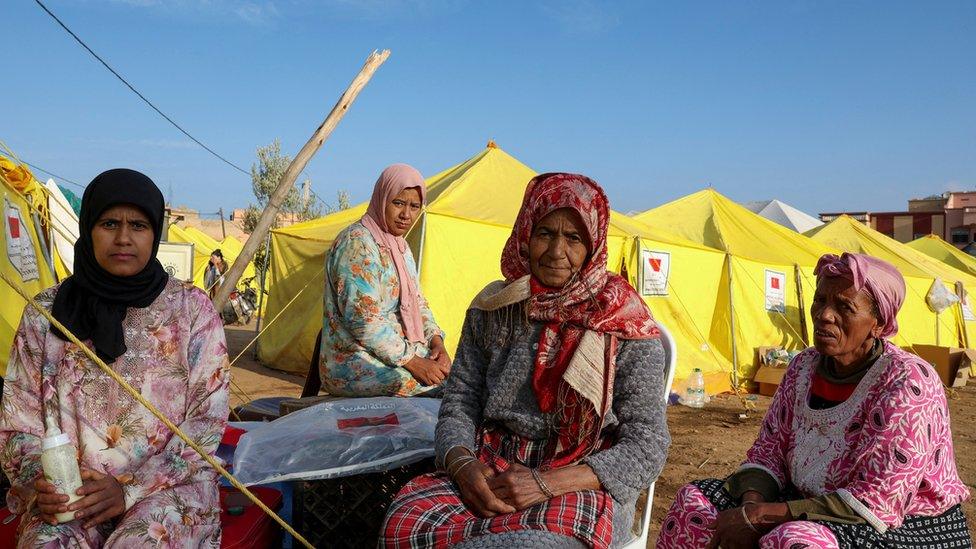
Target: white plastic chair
column 671, row 361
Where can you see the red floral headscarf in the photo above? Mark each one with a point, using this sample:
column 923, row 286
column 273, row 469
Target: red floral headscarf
column 593, row 300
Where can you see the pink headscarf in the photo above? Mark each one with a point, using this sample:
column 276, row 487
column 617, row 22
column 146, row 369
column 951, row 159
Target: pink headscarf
column 880, row 279
column 392, row 182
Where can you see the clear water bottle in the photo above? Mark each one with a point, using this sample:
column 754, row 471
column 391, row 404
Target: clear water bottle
column 695, row 390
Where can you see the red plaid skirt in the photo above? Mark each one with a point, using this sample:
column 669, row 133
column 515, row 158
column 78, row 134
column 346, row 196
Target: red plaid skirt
column 428, row 511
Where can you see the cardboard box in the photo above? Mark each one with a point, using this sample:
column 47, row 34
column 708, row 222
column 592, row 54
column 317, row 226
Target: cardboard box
column 767, row 376
column 951, row 363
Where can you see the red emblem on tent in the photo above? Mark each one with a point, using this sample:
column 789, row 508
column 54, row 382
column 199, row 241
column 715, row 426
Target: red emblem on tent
column 14, row 224
column 774, row 282
column 655, row 264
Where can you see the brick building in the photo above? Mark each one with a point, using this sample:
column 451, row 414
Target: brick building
column 951, row 215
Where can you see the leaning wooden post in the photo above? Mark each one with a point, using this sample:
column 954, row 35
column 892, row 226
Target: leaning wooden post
column 291, row 174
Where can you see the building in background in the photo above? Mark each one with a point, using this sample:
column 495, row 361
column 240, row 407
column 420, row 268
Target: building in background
column 951, row 215
column 863, row 217
column 211, row 224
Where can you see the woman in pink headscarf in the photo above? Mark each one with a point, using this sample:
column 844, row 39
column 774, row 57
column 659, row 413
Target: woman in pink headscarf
column 856, row 448
column 379, row 337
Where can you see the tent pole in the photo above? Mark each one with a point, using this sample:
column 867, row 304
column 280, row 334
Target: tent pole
column 735, row 353
column 799, row 299
column 961, row 292
column 423, row 239
column 264, row 275
column 638, row 273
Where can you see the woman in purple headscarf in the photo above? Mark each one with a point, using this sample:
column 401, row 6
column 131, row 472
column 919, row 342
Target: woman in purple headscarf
column 379, row 337
column 855, row 449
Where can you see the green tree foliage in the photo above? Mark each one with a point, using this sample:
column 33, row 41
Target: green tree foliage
column 300, row 203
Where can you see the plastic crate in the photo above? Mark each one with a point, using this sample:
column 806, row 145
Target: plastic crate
column 347, row 512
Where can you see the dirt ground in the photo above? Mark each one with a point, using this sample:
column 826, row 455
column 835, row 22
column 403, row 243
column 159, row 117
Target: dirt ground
column 249, row 379
column 710, row 442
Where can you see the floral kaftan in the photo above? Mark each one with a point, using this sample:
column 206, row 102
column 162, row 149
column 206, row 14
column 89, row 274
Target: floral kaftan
column 363, row 344
column 886, row 451
column 177, row 357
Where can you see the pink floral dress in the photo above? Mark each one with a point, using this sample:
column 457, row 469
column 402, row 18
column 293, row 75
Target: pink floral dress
column 886, row 451
column 363, row 346
column 177, row 358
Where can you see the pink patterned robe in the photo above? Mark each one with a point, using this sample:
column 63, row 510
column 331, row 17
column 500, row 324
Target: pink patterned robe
column 886, row 451
column 177, row 358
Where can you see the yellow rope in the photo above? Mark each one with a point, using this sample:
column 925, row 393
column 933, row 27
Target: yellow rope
column 247, row 397
column 159, row 415
column 277, row 316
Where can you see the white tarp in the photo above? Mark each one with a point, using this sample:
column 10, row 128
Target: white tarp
column 785, row 215
column 65, row 223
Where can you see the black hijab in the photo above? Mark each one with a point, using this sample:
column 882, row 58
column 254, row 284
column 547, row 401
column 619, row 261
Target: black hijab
column 92, row 303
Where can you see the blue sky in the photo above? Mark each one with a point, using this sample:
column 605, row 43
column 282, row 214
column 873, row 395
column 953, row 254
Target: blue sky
column 828, row 105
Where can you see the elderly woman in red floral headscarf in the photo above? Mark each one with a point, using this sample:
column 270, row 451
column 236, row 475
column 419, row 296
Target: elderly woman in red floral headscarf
column 551, row 422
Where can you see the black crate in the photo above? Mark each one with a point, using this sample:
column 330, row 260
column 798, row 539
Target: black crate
column 347, row 512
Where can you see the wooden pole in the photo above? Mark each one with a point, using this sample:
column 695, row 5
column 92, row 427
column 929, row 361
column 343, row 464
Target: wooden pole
column 735, row 352
column 287, row 180
column 223, row 229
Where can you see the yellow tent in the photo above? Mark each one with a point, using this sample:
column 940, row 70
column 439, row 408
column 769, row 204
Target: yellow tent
column 934, row 247
column 202, row 237
column 457, row 242
column 755, row 298
column 23, row 248
column 204, row 245
column 680, row 281
column 201, row 251
column 917, row 323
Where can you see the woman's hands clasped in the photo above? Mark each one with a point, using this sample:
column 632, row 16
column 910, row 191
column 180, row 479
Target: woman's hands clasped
column 732, row 531
column 487, row 493
column 517, row 487
column 102, row 499
column 433, row 370
column 742, row 527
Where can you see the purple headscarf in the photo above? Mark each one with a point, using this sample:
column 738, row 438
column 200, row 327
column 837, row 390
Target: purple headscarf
column 880, row 279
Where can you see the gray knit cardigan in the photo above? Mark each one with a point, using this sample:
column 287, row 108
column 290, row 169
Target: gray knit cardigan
column 491, row 381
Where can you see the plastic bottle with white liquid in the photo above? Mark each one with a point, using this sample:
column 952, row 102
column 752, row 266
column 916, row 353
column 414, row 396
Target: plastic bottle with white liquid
column 60, row 462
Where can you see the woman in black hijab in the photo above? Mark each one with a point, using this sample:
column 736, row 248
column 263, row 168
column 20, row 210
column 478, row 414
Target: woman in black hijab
column 142, row 485
column 110, row 275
